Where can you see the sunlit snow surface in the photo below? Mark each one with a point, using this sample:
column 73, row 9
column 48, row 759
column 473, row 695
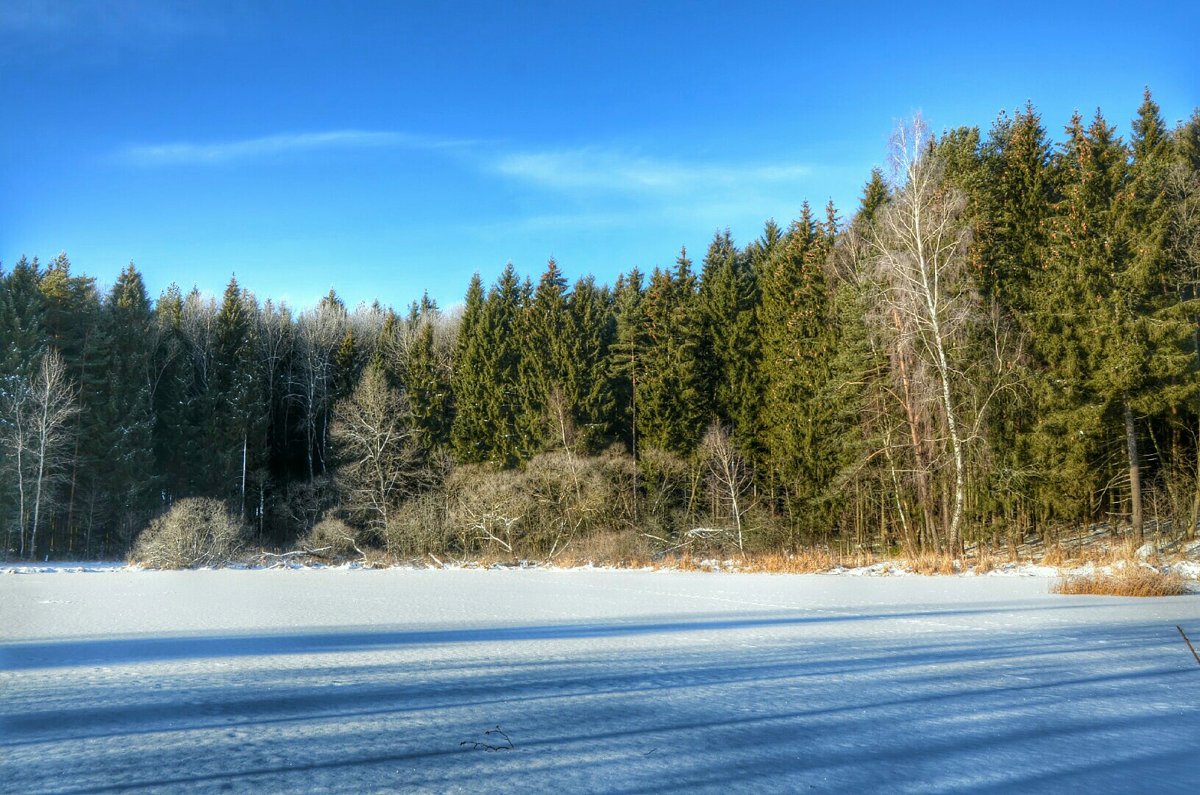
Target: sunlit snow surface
column 615, row 681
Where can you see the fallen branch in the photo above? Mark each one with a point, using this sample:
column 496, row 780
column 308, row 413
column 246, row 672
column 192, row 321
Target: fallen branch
column 483, row 746
column 435, row 560
column 350, row 540
column 1188, row 642
column 282, row 557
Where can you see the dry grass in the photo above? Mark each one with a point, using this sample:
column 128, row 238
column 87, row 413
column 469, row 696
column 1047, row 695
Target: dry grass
column 1131, row 581
column 931, row 563
column 623, row 550
column 806, row 561
column 1053, row 556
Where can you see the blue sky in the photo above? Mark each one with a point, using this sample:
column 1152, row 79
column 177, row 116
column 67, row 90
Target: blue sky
column 388, row 148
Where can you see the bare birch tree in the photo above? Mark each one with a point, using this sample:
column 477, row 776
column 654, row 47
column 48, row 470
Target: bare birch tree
column 728, row 475
column 36, row 434
column 15, row 400
column 926, row 305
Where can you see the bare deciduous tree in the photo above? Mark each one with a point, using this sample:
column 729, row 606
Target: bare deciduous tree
column 375, row 439
column 729, row 477
column 319, row 332
column 926, row 303
column 35, row 434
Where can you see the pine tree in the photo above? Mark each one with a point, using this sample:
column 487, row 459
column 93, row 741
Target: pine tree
column 875, row 196
column 590, row 333
column 500, row 333
column 22, row 310
column 1157, row 333
column 1012, row 237
column 469, row 433
column 727, row 299
column 71, row 322
column 122, row 411
column 1097, row 311
column 426, row 378
column 669, row 393
column 801, row 447
column 542, row 369
column 241, row 425
column 626, row 355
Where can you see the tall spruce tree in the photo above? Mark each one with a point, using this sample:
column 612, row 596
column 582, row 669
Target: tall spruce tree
column 71, row 322
column 626, row 358
column 589, row 336
column 469, row 432
column 1158, row 323
column 122, row 417
column 1091, row 338
column 669, row 393
column 241, row 425
column 798, row 343
column 545, row 404
column 427, row 378
column 500, row 332
column 22, row 310
column 727, row 298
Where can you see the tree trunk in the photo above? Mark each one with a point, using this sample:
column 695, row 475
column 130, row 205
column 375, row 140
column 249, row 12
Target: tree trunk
column 244, row 445
column 37, row 498
column 1135, row 475
column 913, row 418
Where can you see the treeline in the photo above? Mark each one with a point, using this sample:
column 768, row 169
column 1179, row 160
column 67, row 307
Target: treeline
column 1004, row 337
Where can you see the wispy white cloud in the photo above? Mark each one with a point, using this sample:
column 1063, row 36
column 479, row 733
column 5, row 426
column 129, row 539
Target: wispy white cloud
column 190, row 153
column 589, row 170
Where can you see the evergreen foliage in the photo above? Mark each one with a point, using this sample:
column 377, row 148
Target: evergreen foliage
column 1063, row 388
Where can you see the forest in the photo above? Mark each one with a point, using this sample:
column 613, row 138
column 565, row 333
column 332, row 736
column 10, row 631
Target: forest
column 1001, row 340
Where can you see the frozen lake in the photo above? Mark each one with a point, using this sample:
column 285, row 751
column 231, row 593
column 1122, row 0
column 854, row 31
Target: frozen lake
column 359, row 681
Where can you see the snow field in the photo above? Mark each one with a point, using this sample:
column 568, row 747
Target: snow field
column 615, row 681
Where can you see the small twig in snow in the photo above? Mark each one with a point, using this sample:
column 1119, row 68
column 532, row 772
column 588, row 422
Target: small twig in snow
column 1188, row 642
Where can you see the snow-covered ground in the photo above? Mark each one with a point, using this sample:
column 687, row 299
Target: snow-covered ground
column 615, row 681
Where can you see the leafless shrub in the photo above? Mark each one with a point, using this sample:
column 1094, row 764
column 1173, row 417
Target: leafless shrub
column 485, row 508
column 558, row 499
column 418, row 527
column 305, row 502
column 332, row 538
column 196, row 532
column 668, row 489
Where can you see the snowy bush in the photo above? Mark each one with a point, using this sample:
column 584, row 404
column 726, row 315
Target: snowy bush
column 196, row 532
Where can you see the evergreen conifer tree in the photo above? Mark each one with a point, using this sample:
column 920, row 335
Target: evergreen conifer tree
column 589, row 336
column 543, row 364
column 626, row 355
column 729, row 355
column 241, row 426
column 122, row 410
column 798, row 342
column 670, row 399
column 469, row 433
